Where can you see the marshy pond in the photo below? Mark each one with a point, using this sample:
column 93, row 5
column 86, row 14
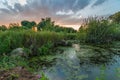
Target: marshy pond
column 83, row 62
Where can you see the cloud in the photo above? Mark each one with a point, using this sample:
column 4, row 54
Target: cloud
column 54, row 5
column 22, row 2
column 37, row 9
column 18, row 7
column 62, row 11
column 80, row 4
column 69, row 12
column 99, row 2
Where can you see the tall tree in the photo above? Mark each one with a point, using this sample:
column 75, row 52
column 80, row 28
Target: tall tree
column 46, row 23
column 28, row 24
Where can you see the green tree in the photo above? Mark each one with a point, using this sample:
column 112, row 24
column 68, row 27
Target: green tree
column 46, row 24
column 14, row 26
column 33, row 23
column 3, row 28
column 28, row 24
column 24, row 23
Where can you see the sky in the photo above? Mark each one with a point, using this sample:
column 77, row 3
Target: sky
column 63, row 12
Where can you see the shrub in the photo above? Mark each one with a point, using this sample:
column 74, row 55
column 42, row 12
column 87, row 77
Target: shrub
column 70, row 36
column 45, row 49
column 81, row 34
column 116, row 34
column 99, row 32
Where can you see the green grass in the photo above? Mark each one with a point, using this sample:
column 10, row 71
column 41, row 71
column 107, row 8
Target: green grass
column 10, row 40
column 8, row 62
column 99, row 32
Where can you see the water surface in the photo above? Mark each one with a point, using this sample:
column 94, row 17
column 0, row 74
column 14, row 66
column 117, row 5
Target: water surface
column 82, row 62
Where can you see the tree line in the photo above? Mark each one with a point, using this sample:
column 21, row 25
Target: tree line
column 46, row 24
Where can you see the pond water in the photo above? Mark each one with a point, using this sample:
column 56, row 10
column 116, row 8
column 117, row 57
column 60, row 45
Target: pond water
column 85, row 63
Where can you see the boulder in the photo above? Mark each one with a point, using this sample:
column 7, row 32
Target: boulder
column 18, row 52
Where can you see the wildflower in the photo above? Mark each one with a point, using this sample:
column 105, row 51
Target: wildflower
column 38, row 76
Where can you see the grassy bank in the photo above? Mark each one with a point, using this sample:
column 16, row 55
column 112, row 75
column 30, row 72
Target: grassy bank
column 36, row 47
column 29, row 40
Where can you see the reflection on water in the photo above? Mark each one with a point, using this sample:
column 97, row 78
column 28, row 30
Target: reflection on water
column 85, row 63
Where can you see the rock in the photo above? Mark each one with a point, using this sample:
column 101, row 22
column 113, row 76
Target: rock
column 63, row 43
column 18, row 52
column 76, row 46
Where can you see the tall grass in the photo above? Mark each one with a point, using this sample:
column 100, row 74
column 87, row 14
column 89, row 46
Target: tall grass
column 100, row 32
column 10, row 40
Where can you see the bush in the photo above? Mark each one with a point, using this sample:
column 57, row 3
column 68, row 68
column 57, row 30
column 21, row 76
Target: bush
column 116, row 33
column 81, row 34
column 70, row 36
column 45, row 49
column 99, row 32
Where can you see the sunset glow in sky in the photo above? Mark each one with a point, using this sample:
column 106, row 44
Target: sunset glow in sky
column 63, row 12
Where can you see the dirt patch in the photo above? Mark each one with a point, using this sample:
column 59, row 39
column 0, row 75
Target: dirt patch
column 18, row 73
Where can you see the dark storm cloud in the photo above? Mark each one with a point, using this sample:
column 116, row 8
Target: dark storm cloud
column 4, row 10
column 56, row 5
column 98, row 2
column 52, row 5
column 18, row 7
